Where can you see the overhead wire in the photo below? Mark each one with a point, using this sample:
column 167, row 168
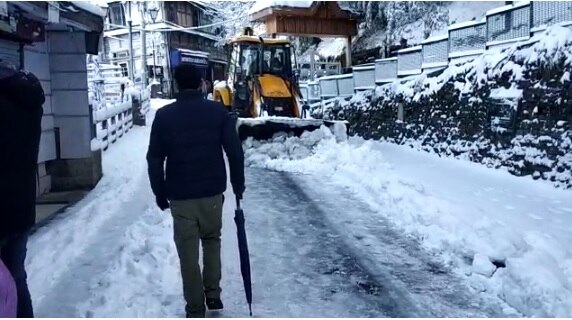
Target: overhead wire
column 181, row 28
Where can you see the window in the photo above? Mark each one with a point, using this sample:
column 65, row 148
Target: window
column 116, row 14
column 124, row 69
column 249, row 59
column 196, row 18
column 185, row 14
column 277, row 59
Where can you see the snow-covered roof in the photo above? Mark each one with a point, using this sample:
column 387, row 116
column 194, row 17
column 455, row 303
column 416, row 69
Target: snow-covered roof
column 502, row 9
column 327, row 48
column 331, row 47
column 436, row 38
column 265, row 4
column 467, row 24
column 91, row 6
column 407, row 50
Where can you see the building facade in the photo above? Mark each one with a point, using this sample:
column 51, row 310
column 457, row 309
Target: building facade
column 196, row 42
column 51, row 40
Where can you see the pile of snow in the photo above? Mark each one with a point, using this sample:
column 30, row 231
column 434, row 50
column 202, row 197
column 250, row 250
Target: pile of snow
column 293, row 122
column 510, row 236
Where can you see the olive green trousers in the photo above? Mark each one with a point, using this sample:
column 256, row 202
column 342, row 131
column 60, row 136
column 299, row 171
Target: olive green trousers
column 194, row 221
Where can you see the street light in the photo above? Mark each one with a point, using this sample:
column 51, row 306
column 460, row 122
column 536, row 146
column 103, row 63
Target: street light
column 153, row 12
column 129, row 19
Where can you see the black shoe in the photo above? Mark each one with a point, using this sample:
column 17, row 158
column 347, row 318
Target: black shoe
column 214, row 304
column 200, row 314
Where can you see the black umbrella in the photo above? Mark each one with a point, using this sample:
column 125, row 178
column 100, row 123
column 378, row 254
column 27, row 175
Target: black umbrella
column 244, row 256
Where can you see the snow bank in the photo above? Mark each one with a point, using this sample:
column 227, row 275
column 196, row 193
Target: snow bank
column 502, row 109
column 146, row 259
column 293, row 122
column 470, row 215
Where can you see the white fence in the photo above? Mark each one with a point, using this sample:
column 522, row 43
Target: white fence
column 464, row 41
column 385, row 70
column 409, row 61
column 435, row 53
column 113, row 106
column 364, row 77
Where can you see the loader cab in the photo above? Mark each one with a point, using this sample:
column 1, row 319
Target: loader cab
column 244, row 61
column 277, row 59
column 249, row 59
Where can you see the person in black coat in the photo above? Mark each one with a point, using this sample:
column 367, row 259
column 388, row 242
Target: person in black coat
column 190, row 136
column 21, row 100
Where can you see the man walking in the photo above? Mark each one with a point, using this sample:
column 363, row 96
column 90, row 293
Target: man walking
column 190, row 135
column 21, row 100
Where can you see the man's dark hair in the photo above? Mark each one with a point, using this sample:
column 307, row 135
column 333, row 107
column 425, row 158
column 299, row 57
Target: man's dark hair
column 188, row 76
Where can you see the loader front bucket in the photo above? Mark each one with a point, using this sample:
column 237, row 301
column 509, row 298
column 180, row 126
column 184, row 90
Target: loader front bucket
column 266, row 128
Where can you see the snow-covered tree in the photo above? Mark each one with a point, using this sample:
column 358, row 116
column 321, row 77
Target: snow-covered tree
column 233, row 16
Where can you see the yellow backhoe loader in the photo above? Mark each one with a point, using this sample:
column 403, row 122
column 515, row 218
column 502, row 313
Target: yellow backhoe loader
column 262, row 88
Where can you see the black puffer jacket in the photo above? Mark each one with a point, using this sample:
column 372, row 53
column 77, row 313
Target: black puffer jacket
column 21, row 100
column 191, row 134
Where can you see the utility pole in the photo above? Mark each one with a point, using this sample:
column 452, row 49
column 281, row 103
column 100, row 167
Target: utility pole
column 153, row 12
column 131, row 58
column 127, row 9
column 143, row 43
column 154, row 62
column 312, row 64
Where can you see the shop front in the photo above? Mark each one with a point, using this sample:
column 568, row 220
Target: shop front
column 197, row 58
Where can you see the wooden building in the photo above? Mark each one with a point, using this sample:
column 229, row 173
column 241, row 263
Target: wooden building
column 317, row 19
column 166, row 49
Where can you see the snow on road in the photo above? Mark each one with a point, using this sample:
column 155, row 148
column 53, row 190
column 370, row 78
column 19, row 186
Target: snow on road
column 112, row 255
column 475, row 218
column 323, row 243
